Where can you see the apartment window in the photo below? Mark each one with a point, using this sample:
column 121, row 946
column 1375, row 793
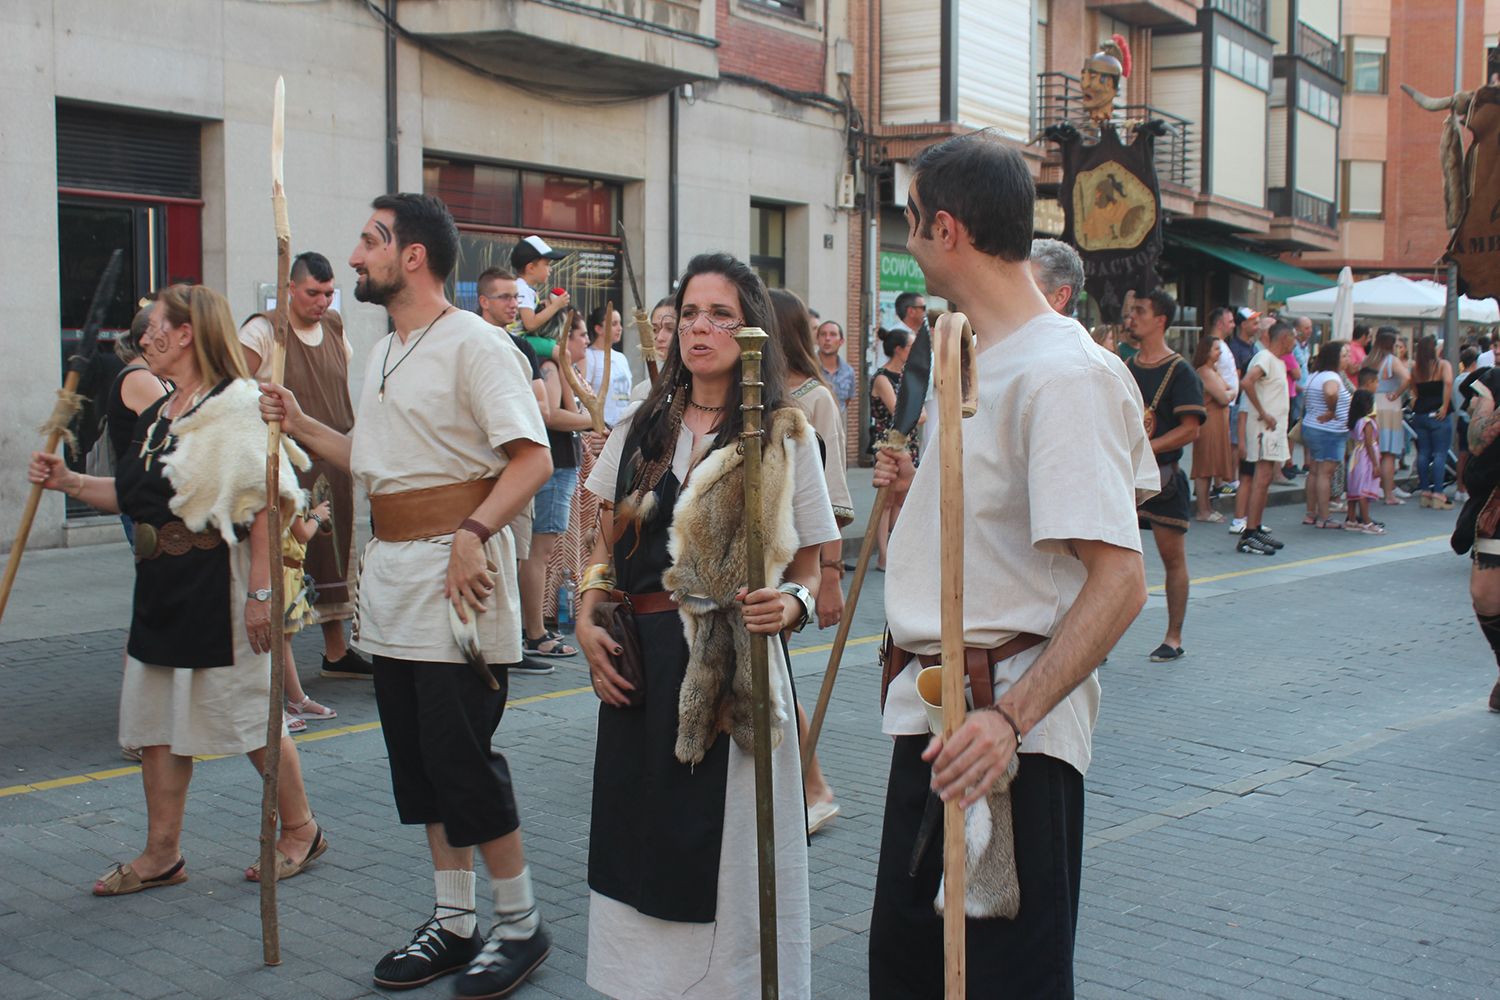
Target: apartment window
column 1366, row 65
column 1318, row 102
column 1362, row 186
column 768, row 243
column 1242, row 62
column 790, row 8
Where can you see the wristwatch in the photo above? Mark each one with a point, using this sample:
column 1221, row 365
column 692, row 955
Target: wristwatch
column 262, row 595
column 803, row 595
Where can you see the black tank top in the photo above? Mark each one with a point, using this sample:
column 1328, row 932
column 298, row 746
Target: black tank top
column 1429, row 398
column 120, row 419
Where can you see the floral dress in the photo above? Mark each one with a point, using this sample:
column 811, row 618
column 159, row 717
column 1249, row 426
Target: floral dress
column 880, row 415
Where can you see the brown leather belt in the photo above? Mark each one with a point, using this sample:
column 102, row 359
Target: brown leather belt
column 651, row 603
column 437, row 510
column 172, row 539
column 979, row 664
column 291, row 563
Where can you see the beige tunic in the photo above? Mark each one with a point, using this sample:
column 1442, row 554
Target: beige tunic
column 828, row 420
column 459, row 396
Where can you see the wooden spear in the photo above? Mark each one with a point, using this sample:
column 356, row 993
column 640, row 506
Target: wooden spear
column 947, row 355
column 750, row 340
column 63, row 411
column 270, row 930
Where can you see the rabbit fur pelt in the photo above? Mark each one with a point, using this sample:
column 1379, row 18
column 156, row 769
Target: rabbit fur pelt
column 992, row 889
column 707, row 546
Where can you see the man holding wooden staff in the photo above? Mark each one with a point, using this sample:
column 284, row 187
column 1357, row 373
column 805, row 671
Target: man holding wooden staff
column 1054, row 463
column 449, row 443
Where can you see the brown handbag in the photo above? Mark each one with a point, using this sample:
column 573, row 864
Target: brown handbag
column 618, row 619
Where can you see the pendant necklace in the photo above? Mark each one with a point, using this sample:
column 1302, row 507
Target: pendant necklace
column 380, row 396
column 150, row 451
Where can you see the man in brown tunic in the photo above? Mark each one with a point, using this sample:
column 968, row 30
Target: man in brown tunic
column 317, row 370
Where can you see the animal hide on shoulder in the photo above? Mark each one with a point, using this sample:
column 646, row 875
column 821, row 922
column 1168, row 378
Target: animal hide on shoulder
column 218, row 467
column 992, row 887
column 707, row 546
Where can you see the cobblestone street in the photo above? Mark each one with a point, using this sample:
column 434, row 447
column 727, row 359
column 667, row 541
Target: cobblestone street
column 1305, row 806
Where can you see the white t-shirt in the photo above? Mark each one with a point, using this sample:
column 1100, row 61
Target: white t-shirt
column 1270, row 390
column 257, row 335
column 620, row 382
column 1227, row 371
column 459, row 395
column 812, row 513
column 1057, row 451
column 1485, row 360
column 525, row 296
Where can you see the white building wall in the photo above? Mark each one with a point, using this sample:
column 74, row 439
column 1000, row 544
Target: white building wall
column 216, row 62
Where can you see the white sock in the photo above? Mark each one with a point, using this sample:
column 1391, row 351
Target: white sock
column 515, row 908
column 455, row 892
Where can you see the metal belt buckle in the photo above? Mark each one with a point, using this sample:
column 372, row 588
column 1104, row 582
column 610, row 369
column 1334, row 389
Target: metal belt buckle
column 145, row 541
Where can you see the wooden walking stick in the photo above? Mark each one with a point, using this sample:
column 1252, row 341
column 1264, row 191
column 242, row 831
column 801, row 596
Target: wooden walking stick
column 909, row 400
column 63, row 411
column 750, row 340
column 270, row 930
column 947, row 353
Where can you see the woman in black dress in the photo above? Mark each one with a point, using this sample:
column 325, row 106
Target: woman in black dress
column 134, row 389
column 197, row 673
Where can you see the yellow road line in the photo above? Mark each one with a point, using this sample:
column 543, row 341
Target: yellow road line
column 365, row 727
column 1161, row 587
column 328, row 734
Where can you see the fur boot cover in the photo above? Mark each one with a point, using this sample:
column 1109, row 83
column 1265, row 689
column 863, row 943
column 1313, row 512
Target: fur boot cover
column 218, row 468
column 707, row 545
column 990, row 871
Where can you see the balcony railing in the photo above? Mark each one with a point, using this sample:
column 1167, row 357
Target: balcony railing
column 1059, row 98
column 1287, row 203
column 1251, row 13
column 1320, row 50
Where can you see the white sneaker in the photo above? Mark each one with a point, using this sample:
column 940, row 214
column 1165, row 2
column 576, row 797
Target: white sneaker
column 1461, row 497
column 1237, row 526
column 1402, row 494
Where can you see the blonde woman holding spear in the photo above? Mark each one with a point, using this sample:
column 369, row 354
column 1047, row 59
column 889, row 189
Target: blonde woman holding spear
column 1054, row 576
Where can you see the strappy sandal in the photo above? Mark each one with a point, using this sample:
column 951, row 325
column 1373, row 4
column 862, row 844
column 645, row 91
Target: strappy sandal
column 285, row 866
column 1214, row 517
column 554, row 646
column 1331, row 525
column 1310, row 520
column 122, row 880
column 309, row 709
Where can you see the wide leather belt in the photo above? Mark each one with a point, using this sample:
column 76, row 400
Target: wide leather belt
column 291, row 563
column 650, row 603
column 979, row 664
column 172, row 539
column 438, row 510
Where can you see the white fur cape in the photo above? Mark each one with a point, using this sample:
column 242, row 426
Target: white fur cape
column 218, row 468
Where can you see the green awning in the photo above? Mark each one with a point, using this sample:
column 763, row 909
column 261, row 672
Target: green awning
column 1282, row 280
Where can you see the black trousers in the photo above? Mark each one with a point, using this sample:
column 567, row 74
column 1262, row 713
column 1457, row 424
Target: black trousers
column 438, row 719
column 1028, row 957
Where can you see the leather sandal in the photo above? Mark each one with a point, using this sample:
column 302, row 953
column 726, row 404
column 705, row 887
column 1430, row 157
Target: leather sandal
column 122, row 880
column 285, row 866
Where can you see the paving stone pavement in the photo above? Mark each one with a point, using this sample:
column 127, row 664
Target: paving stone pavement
column 1304, row 806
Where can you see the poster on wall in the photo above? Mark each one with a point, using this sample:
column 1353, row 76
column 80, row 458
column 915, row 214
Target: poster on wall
column 899, row 274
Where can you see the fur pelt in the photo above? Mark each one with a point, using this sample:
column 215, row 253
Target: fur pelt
column 218, row 467
column 991, row 885
column 707, row 546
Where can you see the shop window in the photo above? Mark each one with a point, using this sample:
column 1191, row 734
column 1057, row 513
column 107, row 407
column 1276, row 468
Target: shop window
column 768, row 243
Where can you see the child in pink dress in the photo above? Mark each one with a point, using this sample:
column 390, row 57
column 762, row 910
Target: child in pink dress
column 1364, row 472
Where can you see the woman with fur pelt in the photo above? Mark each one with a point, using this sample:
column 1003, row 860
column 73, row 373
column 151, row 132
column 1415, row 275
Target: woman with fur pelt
column 672, row 858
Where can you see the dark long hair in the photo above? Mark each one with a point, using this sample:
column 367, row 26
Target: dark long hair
column 1361, row 405
column 1327, row 358
column 650, row 431
column 1426, row 367
column 794, row 332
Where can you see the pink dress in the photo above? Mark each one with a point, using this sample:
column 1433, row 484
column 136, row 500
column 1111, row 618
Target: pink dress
column 1364, row 477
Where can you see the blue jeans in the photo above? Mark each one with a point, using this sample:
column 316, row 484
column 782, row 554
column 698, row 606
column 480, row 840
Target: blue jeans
column 1434, row 438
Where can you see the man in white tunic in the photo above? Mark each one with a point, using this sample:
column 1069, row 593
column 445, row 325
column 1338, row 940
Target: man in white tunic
column 449, row 444
column 1054, row 462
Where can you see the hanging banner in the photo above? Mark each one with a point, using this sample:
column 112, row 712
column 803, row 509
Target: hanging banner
column 1112, row 211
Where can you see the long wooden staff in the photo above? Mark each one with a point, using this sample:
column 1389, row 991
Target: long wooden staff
column 642, row 320
column 904, row 419
column 947, row 353
column 592, row 401
column 270, row 930
column 63, row 411
column 750, row 340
